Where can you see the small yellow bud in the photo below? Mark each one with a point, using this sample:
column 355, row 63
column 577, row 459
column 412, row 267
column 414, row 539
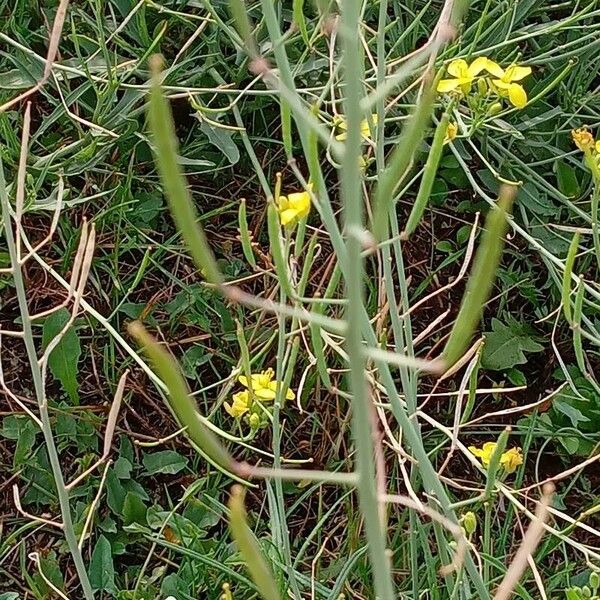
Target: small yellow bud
column 451, row 132
column 482, row 87
column 254, row 421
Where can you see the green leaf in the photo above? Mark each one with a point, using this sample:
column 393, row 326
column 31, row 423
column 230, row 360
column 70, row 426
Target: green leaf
column 102, row 569
column 165, row 461
column 568, row 181
column 506, row 345
column 134, row 510
column 122, row 468
column 115, row 493
column 223, row 140
column 574, row 414
column 64, row 358
column 9, row 596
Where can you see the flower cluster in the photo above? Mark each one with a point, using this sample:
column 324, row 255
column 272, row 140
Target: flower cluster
column 262, row 387
column 509, row 460
column 584, row 140
column 502, row 82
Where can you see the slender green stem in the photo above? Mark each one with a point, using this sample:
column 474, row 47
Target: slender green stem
column 353, row 214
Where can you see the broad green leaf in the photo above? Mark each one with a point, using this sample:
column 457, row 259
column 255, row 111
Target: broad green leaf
column 63, row 360
column 165, row 461
column 102, row 569
column 506, row 345
column 134, row 510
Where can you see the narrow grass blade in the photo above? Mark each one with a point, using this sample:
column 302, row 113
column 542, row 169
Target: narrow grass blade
column 243, row 25
column 566, row 282
column 298, row 8
column 482, row 278
column 277, row 251
column 492, row 470
column 173, row 179
column 245, row 234
column 431, row 167
column 286, row 127
column 400, row 161
column 179, row 399
column 248, row 546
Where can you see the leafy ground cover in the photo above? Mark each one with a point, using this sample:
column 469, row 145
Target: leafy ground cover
column 265, row 121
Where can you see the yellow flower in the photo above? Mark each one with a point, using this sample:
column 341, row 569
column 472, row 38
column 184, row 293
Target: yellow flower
column 365, row 129
column 240, row 405
column 505, row 82
column 511, row 459
column 293, row 207
column 584, row 139
column 263, row 386
column 451, row 132
column 463, row 74
column 484, row 453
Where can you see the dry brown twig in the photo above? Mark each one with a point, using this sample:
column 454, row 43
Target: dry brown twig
column 528, row 545
column 59, row 20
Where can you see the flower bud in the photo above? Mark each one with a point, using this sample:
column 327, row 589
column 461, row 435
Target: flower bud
column 495, row 108
column 469, row 522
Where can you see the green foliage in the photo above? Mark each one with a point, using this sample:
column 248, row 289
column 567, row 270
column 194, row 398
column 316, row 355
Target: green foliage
column 159, row 523
column 165, row 461
column 507, row 343
column 64, row 358
column 102, row 570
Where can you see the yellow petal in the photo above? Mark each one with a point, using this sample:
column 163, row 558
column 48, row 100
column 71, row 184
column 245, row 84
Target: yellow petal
column 288, row 216
column 451, row 132
column 598, row 146
column 282, row 203
column 289, row 394
column 475, row 451
column 240, row 404
column 458, row 68
column 447, row 85
column 517, row 95
column 494, row 68
column 300, row 202
column 243, row 380
column 503, row 85
column 265, row 394
column 478, row 65
column 516, row 73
